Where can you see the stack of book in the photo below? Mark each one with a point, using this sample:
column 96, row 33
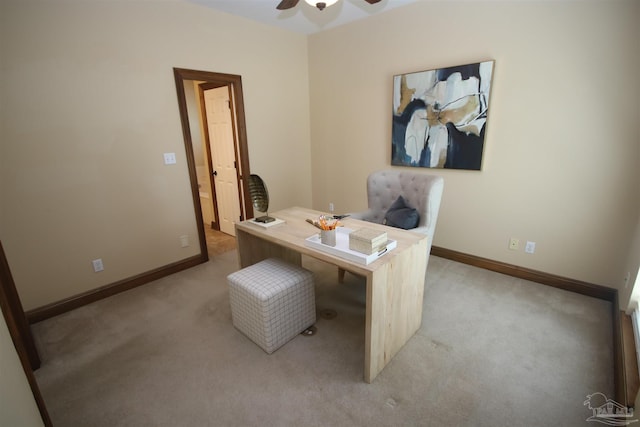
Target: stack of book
column 367, row 240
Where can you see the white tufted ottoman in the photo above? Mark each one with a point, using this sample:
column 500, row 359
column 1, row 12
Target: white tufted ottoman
column 272, row 302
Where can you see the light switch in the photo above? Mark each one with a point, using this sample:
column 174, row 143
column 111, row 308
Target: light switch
column 97, row 265
column 169, row 158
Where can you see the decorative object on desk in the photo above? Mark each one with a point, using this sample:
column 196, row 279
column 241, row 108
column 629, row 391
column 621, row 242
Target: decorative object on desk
column 341, row 249
column 328, row 237
column 367, row 240
column 327, row 222
column 440, row 116
column 259, row 197
column 401, row 215
column 314, row 223
column 328, row 226
column 274, row 223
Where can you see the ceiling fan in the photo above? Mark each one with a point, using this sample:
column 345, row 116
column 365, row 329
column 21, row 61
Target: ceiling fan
column 288, row 4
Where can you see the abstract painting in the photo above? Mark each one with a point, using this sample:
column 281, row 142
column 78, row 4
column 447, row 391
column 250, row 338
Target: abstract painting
column 440, row 117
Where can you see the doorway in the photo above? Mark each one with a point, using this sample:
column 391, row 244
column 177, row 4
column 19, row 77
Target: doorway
column 227, row 162
column 220, row 141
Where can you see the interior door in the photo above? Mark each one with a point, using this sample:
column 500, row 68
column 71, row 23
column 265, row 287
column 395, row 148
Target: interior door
column 223, row 156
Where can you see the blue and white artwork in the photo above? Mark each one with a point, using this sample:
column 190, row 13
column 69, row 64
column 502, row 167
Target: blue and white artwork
column 440, row 117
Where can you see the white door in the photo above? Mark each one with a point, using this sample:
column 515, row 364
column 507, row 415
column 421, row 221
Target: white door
column 219, row 122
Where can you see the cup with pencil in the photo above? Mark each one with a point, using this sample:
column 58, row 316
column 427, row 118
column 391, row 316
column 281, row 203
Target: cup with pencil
column 327, row 225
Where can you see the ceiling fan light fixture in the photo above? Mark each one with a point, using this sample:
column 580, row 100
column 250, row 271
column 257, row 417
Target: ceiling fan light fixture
column 321, row 4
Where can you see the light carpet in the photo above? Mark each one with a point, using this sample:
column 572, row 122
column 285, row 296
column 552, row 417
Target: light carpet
column 492, row 350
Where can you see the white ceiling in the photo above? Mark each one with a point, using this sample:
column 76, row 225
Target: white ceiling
column 303, row 18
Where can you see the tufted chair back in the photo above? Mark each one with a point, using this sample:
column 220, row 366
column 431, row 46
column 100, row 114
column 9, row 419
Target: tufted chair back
column 421, row 191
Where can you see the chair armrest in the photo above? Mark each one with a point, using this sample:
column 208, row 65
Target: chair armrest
column 421, row 230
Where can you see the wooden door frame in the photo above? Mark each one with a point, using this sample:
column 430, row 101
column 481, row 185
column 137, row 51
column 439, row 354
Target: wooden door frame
column 235, row 83
column 20, row 332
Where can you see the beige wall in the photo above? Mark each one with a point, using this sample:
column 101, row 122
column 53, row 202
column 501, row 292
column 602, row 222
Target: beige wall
column 561, row 155
column 89, row 107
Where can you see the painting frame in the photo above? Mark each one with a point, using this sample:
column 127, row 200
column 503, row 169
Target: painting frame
column 439, row 116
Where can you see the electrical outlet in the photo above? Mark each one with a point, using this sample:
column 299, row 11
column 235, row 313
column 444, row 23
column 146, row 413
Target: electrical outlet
column 530, row 247
column 184, row 241
column 626, row 279
column 169, row 158
column 97, row 265
column 514, row 244
column 331, row 207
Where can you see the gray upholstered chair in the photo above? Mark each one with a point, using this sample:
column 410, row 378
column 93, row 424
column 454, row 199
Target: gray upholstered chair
column 421, row 191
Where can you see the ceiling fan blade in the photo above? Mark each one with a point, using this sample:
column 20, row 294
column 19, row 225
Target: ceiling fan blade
column 288, row 4
column 372, row 1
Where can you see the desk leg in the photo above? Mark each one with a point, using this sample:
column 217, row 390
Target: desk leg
column 394, row 307
column 252, row 249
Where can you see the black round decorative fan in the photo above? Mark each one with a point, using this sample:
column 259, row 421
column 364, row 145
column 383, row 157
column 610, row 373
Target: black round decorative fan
column 259, row 197
column 288, row 4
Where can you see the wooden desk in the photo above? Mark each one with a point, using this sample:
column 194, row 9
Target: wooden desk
column 395, row 281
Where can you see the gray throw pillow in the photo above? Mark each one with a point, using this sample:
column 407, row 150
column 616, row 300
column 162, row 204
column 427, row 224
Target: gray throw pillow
column 401, row 215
